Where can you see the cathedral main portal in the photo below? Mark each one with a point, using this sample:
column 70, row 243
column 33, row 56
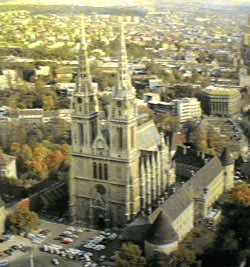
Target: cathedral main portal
column 101, row 209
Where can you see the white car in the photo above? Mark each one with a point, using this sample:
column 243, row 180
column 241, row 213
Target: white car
column 67, row 233
column 71, row 229
column 55, row 261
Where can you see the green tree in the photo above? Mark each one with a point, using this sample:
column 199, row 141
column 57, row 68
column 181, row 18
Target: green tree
column 162, row 260
column 130, row 255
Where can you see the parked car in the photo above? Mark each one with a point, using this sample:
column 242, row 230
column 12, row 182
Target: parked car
column 55, row 261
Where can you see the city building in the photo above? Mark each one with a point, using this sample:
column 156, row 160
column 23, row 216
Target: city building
column 120, row 167
column 187, row 109
column 8, row 166
column 220, row 101
column 161, row 107
column 151, row 97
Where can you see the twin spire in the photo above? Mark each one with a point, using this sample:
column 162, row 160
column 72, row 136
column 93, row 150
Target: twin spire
column 84, row 81
column 124, row 80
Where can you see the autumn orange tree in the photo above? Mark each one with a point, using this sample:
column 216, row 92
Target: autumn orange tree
column 22, row 219
column 43, row 159
column 241, row 195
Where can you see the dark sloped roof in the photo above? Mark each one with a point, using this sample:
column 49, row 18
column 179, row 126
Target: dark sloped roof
column 148, row 136
column 136, row 230
column 206, row 175
column 161, row 232
column 226, row 157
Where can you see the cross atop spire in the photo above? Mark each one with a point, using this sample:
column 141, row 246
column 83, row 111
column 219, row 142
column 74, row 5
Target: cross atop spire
column 124, row 79
column 84, row 80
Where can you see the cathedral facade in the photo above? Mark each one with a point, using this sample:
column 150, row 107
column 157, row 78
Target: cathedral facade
column 121, row 166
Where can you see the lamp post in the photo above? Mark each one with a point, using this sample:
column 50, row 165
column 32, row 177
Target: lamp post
column 32, row 248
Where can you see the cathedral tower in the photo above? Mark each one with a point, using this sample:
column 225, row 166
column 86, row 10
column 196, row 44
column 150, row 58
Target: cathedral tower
column 84, row 117
column 123, row 113
column 84, row 102
column 118, row 167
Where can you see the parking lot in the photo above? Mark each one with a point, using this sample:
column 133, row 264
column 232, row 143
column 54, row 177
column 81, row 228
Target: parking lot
column 70, row 246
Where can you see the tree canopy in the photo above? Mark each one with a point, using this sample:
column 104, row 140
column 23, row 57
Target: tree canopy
column 130, row 255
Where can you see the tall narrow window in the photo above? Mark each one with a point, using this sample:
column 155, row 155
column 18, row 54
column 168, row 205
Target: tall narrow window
column 81, row 134
column 105, row 171
column 93, row 130
column 120, row 138
column 94, row 170
column 100, row 171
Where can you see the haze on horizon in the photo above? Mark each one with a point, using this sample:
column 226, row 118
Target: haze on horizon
column 124, row 2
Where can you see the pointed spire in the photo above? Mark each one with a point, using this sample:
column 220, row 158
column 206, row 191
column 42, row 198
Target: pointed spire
column 124, row 79
column 84, row 77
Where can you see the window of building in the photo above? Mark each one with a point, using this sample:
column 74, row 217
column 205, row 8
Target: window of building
column 93, row 130
column 120, row 138
column 94, row 170
column 105, row 171
column 100, row 172
column 81, row 133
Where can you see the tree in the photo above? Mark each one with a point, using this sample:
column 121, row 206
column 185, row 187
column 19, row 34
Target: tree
column 184, row 256
column 241, row 195
column 55, row 160
column 22, row 219
column 169, row 124
column 130, row 255
column 162, row 260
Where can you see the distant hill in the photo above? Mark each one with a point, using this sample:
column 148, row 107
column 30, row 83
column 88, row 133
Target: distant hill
column 95, row 3
column 74, row 9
